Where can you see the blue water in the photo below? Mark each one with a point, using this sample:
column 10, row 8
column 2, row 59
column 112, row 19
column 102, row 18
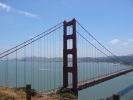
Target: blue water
column 44, row 76
column 108, row 88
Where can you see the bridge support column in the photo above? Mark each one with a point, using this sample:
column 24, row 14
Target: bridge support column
column 73, row 52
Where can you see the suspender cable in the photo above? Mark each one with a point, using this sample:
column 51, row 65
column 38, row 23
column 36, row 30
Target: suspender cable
column 32, row 38
column 117, row 58
column 16, row 67
column 31, row 42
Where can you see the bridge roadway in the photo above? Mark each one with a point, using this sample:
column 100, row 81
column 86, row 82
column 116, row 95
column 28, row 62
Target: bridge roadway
column 100, row 79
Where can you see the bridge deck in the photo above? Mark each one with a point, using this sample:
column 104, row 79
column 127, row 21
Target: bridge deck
column 92, row 82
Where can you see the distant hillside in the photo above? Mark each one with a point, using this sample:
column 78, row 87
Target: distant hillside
column 128, row 59
column 125, row 59
column 130, row 55
column 41, row 59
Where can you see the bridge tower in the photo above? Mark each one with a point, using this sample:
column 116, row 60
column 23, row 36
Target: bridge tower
column 73, row 52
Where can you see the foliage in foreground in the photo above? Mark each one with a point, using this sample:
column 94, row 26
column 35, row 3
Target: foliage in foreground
column 20, row 94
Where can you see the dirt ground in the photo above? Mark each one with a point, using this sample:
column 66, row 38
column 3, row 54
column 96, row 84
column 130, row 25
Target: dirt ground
column 20, row 94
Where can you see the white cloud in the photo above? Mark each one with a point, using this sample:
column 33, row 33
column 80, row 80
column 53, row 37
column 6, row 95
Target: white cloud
column 115, row 41
column 120, row 42
column 28, row 14
column 4, row 7
column 125, row 43
column 130, row 40
column 9, row 8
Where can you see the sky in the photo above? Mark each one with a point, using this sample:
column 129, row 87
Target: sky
column 109, row 21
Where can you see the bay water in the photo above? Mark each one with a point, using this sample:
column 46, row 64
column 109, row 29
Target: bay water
column 45, row 76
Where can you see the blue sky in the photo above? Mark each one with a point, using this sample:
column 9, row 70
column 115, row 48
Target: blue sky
column 110, row 21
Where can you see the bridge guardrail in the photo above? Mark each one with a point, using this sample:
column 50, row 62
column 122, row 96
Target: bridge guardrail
column 121, row 93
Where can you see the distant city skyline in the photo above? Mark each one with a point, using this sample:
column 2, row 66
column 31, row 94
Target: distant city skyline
column 110, row 21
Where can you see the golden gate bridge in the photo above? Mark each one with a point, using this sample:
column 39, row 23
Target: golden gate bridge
column 66, row 57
